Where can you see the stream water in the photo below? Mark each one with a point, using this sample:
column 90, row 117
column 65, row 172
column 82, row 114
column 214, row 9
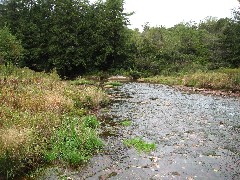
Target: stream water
column 197, row 136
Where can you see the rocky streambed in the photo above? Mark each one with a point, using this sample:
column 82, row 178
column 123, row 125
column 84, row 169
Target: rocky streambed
column 197, row 136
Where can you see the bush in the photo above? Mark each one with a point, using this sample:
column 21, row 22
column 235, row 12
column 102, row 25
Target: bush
column 11, row 49
column 135, row 74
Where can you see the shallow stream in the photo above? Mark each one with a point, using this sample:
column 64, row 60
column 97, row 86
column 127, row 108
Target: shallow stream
column 197, row 136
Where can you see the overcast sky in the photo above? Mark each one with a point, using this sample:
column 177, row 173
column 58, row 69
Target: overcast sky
column 170, row 12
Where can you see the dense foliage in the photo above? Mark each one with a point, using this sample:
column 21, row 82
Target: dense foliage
column 10, row 48
column 188, row 47
column 70, row 35
column 76, row 37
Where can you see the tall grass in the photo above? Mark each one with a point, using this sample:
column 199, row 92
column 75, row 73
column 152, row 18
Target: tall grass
column 168, row 80
column 41, row 120
column 228, row 79
column 223, row 79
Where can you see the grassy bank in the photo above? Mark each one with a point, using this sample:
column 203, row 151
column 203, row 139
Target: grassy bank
column 45, row 120
column 222, row 79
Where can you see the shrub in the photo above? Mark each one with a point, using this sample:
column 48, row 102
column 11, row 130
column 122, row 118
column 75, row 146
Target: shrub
column 11, row 49
column 135, row 74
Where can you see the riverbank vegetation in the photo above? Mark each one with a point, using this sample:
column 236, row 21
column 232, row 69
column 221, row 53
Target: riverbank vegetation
column 221, row 79
column 45, row 120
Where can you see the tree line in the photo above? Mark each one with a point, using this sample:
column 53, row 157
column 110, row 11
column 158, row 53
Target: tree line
column 77, row 37
column 211, row 44
column 73, row 36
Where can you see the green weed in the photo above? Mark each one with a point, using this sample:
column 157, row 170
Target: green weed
column 82, row 81
column 113, row 83
column 73, row 143
column 140, row 145
column 126, row 122
column 91, row 122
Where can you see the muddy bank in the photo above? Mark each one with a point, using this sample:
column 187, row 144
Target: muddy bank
column 197, row 136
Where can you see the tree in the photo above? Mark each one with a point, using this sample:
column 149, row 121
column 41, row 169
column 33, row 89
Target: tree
column 231, row 41
column 114, row 31
column 72, row 36
column 11, row 50
column 67, row 45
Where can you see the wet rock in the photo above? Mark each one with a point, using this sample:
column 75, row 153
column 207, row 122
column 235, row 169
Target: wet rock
column 154, row 158
column 153, row 98
column 221, row 122
column 167, row 104
column 176, row 174
column 194, row 133
column 107, row 176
